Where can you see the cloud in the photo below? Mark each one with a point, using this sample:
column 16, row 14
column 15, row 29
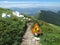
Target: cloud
column 30, row 4
column 4, row 2
column 19, row 5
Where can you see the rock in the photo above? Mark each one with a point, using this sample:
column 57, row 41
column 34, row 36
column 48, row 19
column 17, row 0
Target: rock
column 35, row 34
column 22, row 16
column 8, row 16
column 4, row 15
column 36, row 38
column 16, row 13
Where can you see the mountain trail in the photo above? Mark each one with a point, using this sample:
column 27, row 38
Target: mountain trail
column 28, row 38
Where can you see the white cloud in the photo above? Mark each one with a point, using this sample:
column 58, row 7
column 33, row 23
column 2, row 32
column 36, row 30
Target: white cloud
column 7, row 4
column 19, row 2
column 4, row 2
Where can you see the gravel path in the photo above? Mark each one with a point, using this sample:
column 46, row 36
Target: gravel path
column 28, row 38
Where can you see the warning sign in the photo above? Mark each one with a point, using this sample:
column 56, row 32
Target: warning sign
column 36, row 29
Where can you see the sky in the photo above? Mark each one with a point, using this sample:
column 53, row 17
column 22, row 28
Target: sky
column 34, row 0
column 29, row 3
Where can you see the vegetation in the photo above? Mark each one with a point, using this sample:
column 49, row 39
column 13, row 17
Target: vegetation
column 11, row 29
column 51, row 32
column 4, row 10
column 49, row 16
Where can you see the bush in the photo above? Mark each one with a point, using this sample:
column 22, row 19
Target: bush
column 11, row 31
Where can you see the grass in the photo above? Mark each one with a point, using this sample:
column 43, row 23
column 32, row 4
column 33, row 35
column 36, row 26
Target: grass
column 11, row 31
column 51, row 34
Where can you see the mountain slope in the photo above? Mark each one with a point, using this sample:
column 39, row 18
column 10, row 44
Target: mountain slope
column 11, row 29
column 49, row 16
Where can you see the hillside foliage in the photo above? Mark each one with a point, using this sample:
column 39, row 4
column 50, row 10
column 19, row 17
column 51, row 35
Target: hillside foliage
column 51, row 33
column 50, row 25
column 49, row 16
column 11, row 29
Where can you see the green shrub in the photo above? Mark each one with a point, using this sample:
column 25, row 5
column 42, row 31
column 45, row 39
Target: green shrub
column 11, row 31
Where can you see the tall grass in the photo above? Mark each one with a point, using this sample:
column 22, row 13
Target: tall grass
column 51, row 34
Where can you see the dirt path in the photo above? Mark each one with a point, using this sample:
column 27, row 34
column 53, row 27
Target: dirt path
column 28, row 38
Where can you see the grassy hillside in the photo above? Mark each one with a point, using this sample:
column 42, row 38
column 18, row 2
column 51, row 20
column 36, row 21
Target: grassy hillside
column 4, row 10
column 51, row 33
column 49, row 16
column 11, row 29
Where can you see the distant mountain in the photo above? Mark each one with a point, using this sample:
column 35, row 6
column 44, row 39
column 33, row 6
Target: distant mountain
column 59, row 12
column 29, row 11
column 33, row 11
column 49, row 16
